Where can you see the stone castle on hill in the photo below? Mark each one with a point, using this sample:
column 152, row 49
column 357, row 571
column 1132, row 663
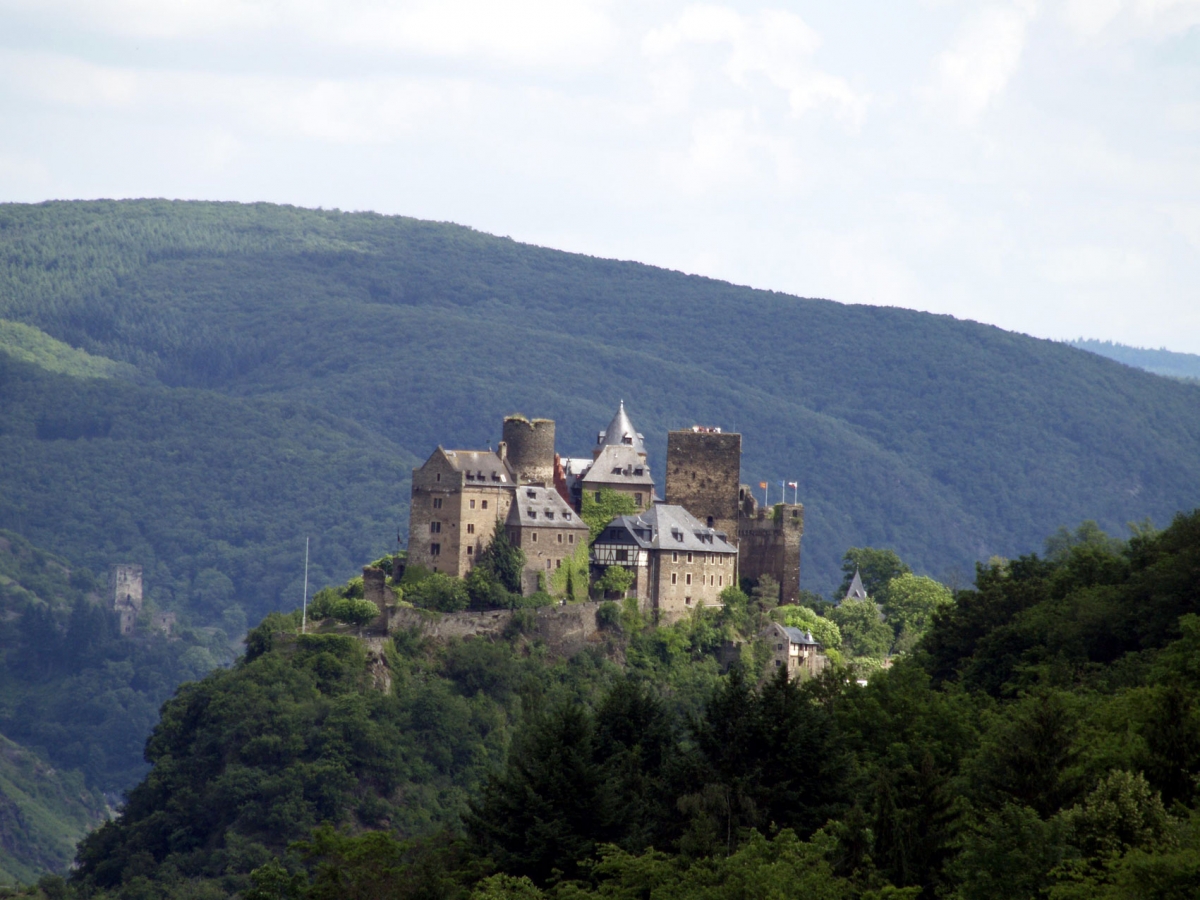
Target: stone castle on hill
column 683, row 550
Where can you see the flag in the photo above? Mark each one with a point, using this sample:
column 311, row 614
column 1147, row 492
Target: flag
column 793, row 484
column 763, row 485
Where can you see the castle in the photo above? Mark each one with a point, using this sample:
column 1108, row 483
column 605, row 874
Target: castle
column 682, row 550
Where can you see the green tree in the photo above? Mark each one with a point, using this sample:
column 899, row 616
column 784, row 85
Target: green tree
column 911, row 603
column 863, row 632
column 598, row 513
column 503, row 558
column 355, row 612
column 440, row 592
column 824, row 630
column 616, row 579
column 875, row 567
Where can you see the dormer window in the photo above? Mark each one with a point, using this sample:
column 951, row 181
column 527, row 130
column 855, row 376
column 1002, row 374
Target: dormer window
column 532, row 514
column 678, row 535
column 567, row 516
column 639, row 471
column 616, row 470
column 531, row 493
column 549, row 515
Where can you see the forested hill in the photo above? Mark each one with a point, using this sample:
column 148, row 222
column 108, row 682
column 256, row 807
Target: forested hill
column 290, row 365
column 1160, row 362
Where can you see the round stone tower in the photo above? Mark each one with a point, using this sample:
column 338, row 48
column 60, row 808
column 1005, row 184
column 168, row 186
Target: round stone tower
column 530, row 449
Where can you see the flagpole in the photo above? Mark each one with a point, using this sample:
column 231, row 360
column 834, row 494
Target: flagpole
column 304, row 607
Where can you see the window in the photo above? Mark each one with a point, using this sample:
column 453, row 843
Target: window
column 558, row 564
column 720, row 581
column 567, row 516
column 472, row 504
column 570, row 538
column 777, row 664
column 688, row 578
column 531, row 494
column 483, row 504
column 674, row 578
column 549, row 515
column 435, row 549
column 687, row 600
column 437, row 502
column 532, row 514
column 435, row 527
column 622, row 555
column 712, row 579
column 597, row 496
column 689, row 557
column 470, row 551
column 637, row 498
column 471, row 528
column 533, row 536
column 438, row 477
column 560, row 537
column 674, row 556
column 547, row 564
column 639, row 471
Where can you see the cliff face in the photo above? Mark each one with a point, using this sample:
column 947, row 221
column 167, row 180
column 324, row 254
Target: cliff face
column 44, row 813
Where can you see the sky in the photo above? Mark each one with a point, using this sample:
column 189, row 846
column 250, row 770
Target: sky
column 1034, row 164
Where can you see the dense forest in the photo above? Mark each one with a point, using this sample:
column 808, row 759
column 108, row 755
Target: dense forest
column 277, row 371
column 1040, row 739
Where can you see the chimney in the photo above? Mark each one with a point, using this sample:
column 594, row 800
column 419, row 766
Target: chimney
column 502, row 451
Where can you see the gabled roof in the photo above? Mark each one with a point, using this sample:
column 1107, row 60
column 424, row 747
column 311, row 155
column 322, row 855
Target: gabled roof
column 619, row 464
column 620, row 432
column 665, row 527
column 856, row 591
column 538, row 507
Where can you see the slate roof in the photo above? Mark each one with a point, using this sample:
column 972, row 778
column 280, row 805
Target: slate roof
column 620, row 432
column 480, row 466
column 538, row 506
column 619, row 464
column 856, row 591
column 665, row 527
column 796, row 636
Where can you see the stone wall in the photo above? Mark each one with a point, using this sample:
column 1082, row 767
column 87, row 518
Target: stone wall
column 565, row 630
column 769, row 544
column 703, row 472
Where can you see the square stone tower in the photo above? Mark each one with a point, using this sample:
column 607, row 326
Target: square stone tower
column 703, row 472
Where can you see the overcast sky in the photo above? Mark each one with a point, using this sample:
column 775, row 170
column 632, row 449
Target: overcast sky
column 1031, row 164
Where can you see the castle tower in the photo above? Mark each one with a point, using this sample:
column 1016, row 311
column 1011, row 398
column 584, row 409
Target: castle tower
column 703, row 469
column 529, row 449
column 125, row 594
column 620, row 433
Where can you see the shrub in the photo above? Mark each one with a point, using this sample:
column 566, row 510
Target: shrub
column 608, row 616
column 440, row 592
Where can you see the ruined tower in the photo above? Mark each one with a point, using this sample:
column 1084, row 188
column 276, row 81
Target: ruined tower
column 125, row 594
column 769, row 544
column 529, row 449
column 703, row 469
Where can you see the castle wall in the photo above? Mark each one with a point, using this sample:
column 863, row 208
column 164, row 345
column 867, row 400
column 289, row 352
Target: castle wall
column 451, row 520
column 529, row 449
column 769, row 544
column 565, row 630
column 703, row 471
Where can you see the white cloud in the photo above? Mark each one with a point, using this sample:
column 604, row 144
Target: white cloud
column 561, row 33
column 349, row 111
column 774, row 45
column 727, row 151
column 977, row 68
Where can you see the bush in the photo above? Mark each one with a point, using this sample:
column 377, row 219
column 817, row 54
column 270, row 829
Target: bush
column 439, row 592
column 355, row 612
column 608, row 616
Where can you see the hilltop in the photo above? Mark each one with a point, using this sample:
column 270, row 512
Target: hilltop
column 289, row 367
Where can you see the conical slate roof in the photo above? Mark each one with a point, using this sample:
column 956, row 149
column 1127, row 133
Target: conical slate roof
column 620, row 431
column 857, row 591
